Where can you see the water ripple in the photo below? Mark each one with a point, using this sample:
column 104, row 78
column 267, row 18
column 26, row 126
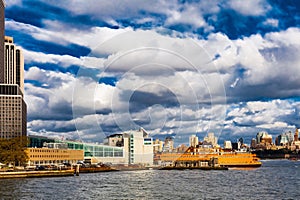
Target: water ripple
column 274, row 180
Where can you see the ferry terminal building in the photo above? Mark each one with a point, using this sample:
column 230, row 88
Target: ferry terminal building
column 132, row 147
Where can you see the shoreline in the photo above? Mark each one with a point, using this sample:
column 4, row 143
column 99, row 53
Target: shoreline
column 36, row 174
column 71, row 172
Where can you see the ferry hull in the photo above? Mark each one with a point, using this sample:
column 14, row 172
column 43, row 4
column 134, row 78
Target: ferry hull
column 242, row 166
column 194, row 168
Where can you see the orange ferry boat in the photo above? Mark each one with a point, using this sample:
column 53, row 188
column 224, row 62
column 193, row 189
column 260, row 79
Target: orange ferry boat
column 194, row 158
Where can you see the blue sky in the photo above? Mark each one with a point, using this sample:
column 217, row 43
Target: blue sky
column 94, row 68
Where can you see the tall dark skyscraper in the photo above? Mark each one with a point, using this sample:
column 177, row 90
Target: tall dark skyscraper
column 2, row 41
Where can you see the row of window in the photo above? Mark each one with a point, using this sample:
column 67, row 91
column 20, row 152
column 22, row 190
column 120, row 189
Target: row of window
column 8, row 120
column 52, row 162
column 8, row 97
column 104, row 154
column 9, row 131
column 9, row 127
column 7, row 104
column 49, row 156
column 11, row 109
column 7, row 135
column 48, row 151
column 94, row 148
column 10, row 114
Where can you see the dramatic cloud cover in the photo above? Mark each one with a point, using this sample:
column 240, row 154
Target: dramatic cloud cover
column 95, row 68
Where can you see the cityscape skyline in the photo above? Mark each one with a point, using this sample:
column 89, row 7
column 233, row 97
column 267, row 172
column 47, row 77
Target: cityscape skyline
column 173, row 67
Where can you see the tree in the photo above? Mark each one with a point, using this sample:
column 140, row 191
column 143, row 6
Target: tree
column 13, row 150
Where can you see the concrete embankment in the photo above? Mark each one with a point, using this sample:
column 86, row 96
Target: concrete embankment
column 36, row 174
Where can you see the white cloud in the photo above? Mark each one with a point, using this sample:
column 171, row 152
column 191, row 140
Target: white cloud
column 56, row 32
column 12, row 2
column 269, row 116
column 250, row 8
column 36, row 32
column 60, row 60
column 195, row 71
column 276, row 125
column 112, row 10
column 271, row 22
column 189, row 16
column 289, row 37
column 177, row 13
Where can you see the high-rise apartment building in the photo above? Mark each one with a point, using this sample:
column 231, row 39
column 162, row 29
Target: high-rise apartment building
column 194, row 141
column 13, row 112
column 296, row 136
column 168, row 144
column 13, row 64
column 211, row 139
column 1, row 41
column 13, row 109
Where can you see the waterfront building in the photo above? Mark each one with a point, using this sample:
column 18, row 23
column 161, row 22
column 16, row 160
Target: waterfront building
column 168, row 144
column 253, row 143
column 93, row 153
column 13, row 64
column 259, row 135
column 181, row 148
column 296, row 136
column 263, row 138
column 114, row 140
column 285, row 138
column 158, row 146
column 96, row 153
column 227, row 144
column 236, row 145
column 53, row 156
column 140, row 147
column 13, row 112
column 211, row 139
column 132, row 147
column 194, row 141
column 296, row 143
column 137, row 145
column 36, row 141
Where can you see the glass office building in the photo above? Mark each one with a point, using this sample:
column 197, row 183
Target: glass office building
column 96, row 150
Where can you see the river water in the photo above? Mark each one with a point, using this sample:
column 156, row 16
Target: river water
column 277, row 179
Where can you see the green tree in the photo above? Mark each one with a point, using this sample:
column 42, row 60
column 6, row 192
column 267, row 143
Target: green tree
column 13, row 151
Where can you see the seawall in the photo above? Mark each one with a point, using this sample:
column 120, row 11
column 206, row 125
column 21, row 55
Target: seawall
column 35, row 174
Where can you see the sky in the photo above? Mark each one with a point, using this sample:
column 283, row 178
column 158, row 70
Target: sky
column 97, row 67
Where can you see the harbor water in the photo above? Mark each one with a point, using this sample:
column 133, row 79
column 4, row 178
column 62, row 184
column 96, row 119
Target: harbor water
column 276, row 179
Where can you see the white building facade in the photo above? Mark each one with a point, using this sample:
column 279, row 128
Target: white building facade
column 194, row 141
column 138, row 147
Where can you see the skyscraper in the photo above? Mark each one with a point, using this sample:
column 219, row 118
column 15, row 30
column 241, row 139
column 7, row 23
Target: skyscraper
column 1, row 41
column 13, row 112
column 13, row 109
column 296, row 136
column 13, row 64
column 194, row 141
